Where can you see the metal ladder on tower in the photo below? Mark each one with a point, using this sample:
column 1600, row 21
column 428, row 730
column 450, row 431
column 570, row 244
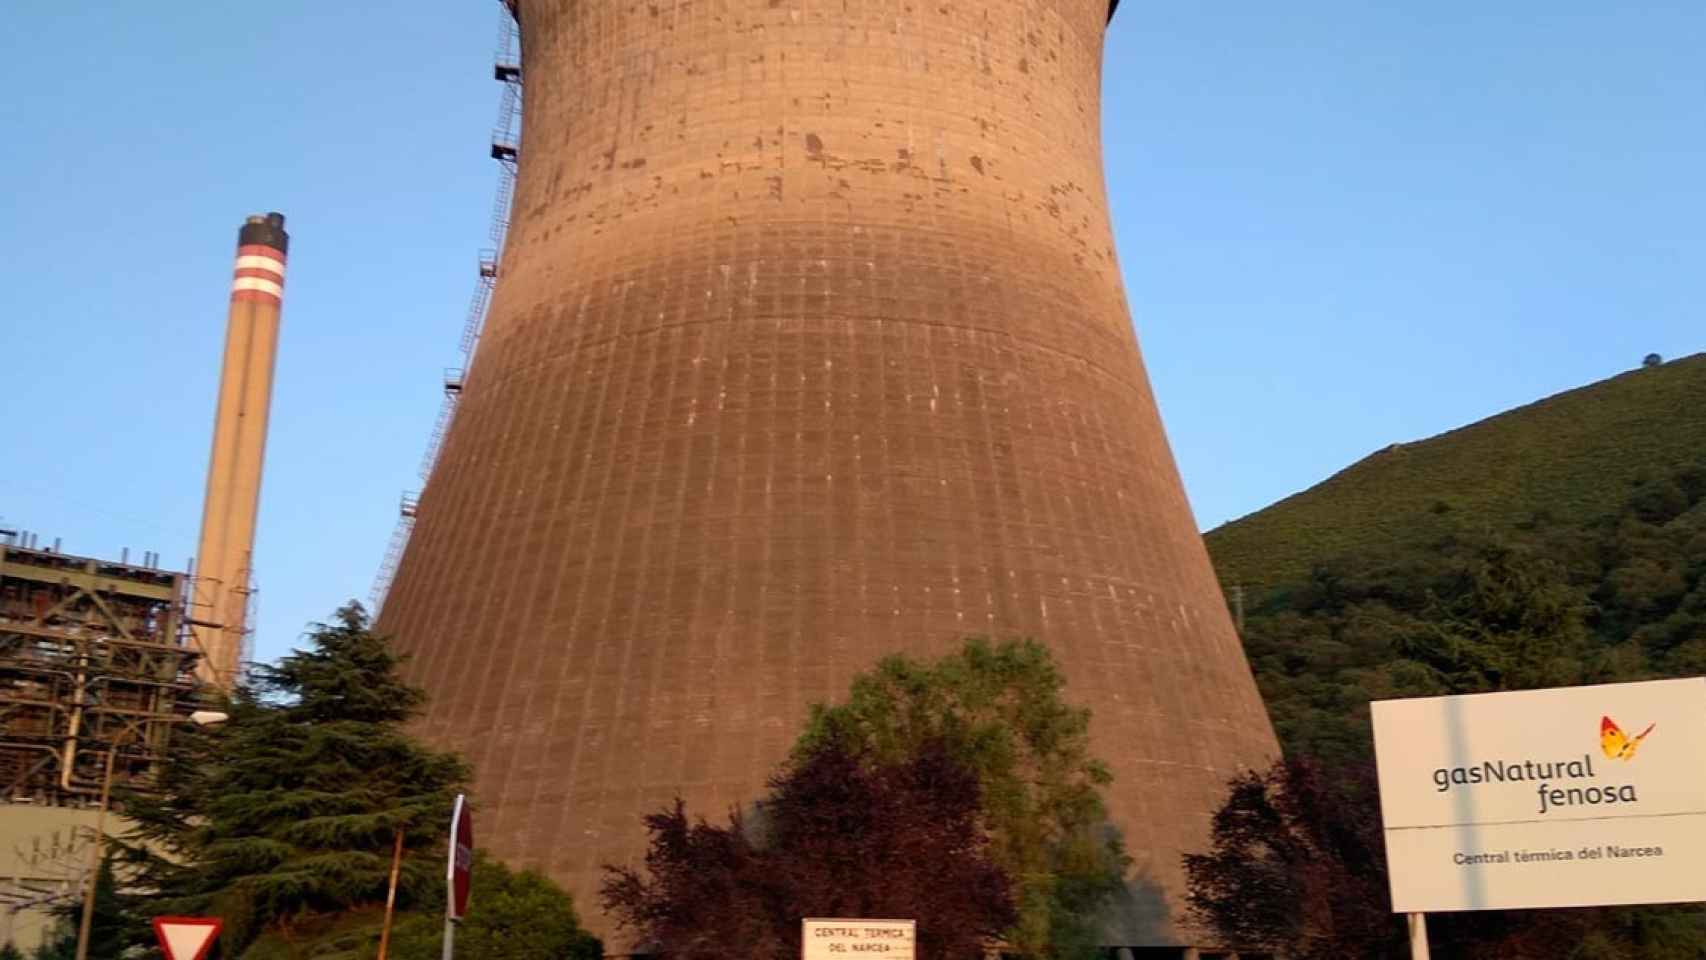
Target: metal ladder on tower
column 506, row 146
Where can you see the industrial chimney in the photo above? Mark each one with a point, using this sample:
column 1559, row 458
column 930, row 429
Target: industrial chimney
column 222, row 584
column 808, row 346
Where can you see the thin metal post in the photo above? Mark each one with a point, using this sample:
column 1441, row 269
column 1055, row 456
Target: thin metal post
column 1418, row 936
column 391, row 894
column 95, row 859
column 449, row 938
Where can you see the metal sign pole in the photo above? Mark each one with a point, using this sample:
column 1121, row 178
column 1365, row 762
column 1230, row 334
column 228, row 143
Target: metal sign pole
column 458, row 871
column 1418, row 936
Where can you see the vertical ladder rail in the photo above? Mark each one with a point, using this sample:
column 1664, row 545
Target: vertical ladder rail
column 506, row 145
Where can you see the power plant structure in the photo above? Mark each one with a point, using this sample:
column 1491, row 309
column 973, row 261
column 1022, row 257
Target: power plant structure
column 101, row 659
column 808, row 346
column 95, row 655
column 224, row 556
column 95, row 660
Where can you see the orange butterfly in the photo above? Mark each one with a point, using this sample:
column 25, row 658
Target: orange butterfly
column 1615, row 743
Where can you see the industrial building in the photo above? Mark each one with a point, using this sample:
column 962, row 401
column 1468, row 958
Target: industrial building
column 96, row 656
column 99, row 659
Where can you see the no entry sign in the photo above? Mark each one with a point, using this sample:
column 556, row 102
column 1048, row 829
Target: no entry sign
column 461, row 868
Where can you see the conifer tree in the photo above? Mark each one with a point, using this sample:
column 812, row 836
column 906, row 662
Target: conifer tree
column 109, row 925
column 288, row 811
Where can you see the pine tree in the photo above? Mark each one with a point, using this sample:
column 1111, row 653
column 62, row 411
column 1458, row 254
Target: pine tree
column 110, row 927
column 288, row 812
column 58, row 942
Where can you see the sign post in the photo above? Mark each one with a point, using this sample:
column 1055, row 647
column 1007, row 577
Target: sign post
column 1571, row 797
column 459, row 871
column 858, row 939
column 1418, row 936
column 185, row 938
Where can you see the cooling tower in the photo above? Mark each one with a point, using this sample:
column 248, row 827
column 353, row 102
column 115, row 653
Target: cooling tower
column 809, row 346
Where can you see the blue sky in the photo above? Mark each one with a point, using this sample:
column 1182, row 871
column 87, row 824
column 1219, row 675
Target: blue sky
column 1342, row 224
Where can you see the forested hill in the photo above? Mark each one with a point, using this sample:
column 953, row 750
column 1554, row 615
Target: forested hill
column 1560, row 543
column 1571, row 457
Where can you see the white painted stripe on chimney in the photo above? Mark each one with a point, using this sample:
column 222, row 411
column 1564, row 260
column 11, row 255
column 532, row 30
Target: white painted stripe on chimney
column 261, row 263
column 256, row 283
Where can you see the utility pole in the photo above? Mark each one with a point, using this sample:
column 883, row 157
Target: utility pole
column 391, row 894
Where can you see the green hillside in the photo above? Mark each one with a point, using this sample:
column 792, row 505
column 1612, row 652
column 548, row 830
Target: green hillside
column 1574, row 455
column 1559, row 544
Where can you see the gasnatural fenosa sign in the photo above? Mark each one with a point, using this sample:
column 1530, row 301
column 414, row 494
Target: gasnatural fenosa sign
column 1578, row 796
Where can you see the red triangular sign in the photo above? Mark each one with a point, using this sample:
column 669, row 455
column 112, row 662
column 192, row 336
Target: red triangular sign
column 186, row 938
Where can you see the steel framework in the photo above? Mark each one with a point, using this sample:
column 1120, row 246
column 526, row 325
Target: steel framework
column 94, row 656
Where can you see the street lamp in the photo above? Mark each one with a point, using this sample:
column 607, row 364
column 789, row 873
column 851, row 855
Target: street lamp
column 201, row 718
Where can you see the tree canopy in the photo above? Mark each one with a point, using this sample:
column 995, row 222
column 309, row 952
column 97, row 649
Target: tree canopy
column 287, row 813
column 836, row 836
column 513, row 915
column 1556, row 601
column 999, row 709
column 110, row 932
column 1298, row 866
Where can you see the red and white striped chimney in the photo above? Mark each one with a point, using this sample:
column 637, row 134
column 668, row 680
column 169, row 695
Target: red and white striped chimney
column 223, row 561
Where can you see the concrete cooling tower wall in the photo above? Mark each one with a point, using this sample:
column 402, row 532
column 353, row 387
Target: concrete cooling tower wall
column 809, row 346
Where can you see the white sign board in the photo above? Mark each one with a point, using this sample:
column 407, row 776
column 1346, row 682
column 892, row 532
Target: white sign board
column 844, row 939
column 1579, row 796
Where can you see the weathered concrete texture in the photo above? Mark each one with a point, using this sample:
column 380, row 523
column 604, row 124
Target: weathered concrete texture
column 809, row 346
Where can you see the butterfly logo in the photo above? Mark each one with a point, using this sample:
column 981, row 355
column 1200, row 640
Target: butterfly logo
column 1617, row 744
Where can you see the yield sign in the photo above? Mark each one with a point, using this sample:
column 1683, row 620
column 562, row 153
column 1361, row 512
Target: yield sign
column 186, row 938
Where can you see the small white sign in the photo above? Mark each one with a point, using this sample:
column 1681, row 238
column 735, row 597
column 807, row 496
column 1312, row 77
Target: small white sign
column 1572, row 797
column 847, row 939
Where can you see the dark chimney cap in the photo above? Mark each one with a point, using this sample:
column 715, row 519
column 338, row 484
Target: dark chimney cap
column 265, row 230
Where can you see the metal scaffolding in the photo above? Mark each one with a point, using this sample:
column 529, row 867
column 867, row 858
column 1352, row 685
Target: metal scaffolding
column 94, row 656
